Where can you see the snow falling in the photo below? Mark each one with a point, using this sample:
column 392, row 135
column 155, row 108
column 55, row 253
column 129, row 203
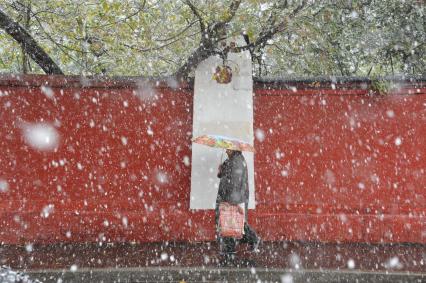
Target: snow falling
column 48, row 92
column 135, row 164
column 40, row 136
column 4, row 186
column 260, row 135
column 102, row 177
column 47, row 210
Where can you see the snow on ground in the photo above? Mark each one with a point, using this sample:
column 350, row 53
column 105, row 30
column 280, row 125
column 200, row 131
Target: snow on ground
column 7, row 275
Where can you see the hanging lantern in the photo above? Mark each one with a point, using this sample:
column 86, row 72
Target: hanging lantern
column 223, row 74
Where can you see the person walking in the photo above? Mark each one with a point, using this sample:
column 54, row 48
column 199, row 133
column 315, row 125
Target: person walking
column 234, row 189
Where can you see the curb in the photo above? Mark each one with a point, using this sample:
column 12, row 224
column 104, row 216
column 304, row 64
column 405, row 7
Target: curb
column 208, row 274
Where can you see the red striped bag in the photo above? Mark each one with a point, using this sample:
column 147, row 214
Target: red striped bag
column 231, row 220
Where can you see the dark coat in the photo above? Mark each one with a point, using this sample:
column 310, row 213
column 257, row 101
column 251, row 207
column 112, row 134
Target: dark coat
column 233, row 186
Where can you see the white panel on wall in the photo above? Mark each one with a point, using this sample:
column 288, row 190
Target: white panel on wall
column 220, row 109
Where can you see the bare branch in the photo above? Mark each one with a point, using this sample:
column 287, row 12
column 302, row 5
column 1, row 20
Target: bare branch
column 190, row 24
column 176, row 39
column 232, row 11
column 60, row 46
column 208, row 41
column 219, row 27
column 200, row 54
column 29, row 45
column 269, row 32
column 138, row 10
column 197, row 14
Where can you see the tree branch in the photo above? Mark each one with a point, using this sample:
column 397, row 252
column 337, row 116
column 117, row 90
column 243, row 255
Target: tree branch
column 197, row 15
column 208, row 40
column 138, row 10
column 208, row 43
column 200, row 54
column 232, row 11
column 269, row 32
column 29, row 45
column 175, row 39
column 190, row 24
column 60, row 46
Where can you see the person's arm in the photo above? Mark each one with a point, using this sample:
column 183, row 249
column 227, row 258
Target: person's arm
column 236, row 186
column 222, row 169
column 236, row 173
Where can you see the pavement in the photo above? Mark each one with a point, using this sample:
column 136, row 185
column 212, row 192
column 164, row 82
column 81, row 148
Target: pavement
column 200, row 274
column 200, row 262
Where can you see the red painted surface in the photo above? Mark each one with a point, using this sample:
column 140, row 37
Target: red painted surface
column 328, row 168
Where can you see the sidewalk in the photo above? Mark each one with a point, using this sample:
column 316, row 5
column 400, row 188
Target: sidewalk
column 150, row 262
column 197, row 274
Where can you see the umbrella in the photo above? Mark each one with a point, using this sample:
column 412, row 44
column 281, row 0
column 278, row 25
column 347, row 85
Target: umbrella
column 223, row 142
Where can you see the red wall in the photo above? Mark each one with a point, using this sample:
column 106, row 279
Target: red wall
column 327, row 166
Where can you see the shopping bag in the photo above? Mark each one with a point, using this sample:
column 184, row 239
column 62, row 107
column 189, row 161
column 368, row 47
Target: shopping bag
column 231, row 220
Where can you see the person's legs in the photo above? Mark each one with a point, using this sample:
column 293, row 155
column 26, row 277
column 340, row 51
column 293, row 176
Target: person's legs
column 219, row 239
column 251, row 237
column 228, row 252
column 229, row 245
column 249, row 234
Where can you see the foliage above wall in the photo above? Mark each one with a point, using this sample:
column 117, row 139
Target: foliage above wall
column 158, row 38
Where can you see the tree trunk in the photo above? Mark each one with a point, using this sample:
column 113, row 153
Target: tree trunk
column 29, row 45
column 200, row 54
column 25, row 59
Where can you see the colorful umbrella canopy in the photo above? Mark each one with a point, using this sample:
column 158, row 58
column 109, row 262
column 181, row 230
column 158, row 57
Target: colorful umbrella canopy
column 223, row 142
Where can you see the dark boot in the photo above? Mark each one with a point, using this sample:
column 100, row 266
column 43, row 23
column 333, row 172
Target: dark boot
column 227, row 251
column 251, row 237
